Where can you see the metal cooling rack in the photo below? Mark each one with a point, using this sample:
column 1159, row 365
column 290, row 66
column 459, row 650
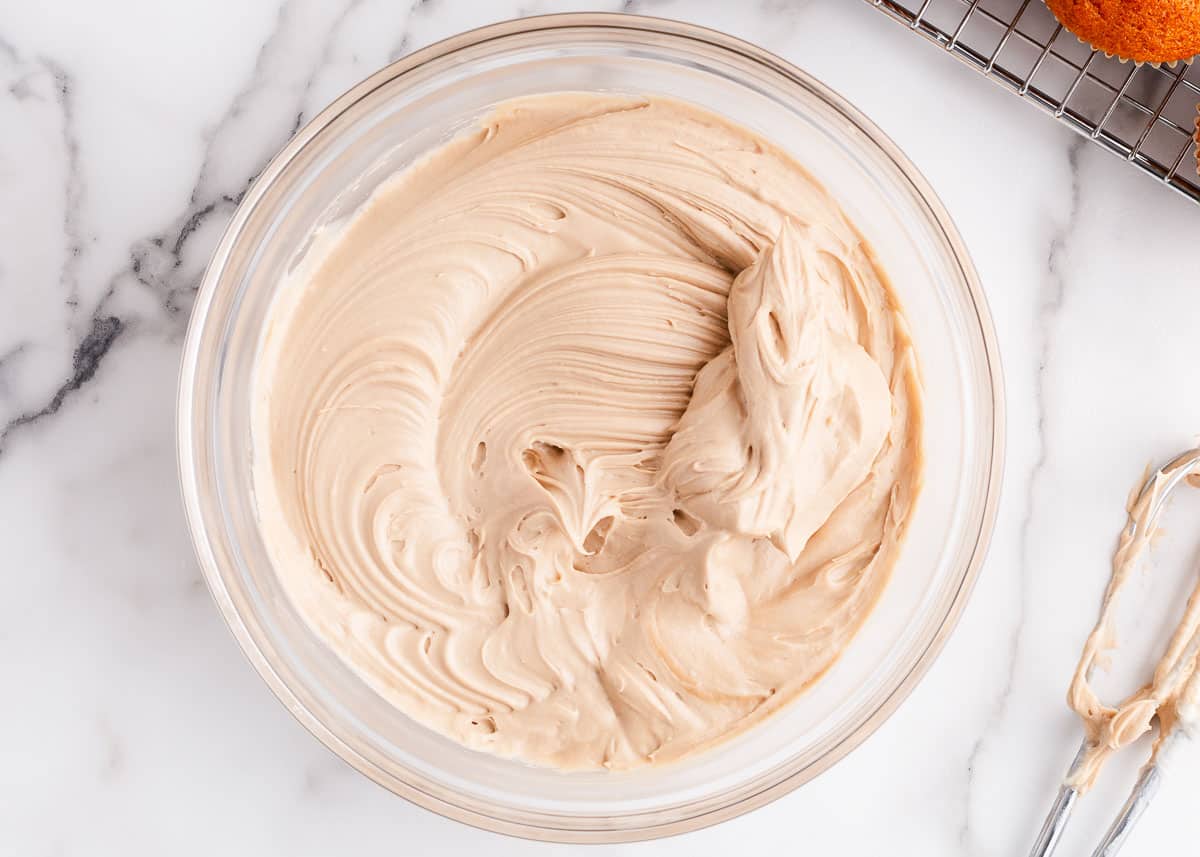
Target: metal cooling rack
column 1144, row 114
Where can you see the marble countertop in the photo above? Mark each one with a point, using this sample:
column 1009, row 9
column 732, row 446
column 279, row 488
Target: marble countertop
column 131, row 723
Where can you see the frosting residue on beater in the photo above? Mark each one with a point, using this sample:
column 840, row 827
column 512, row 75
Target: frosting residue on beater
column 1173, row 693
column 592, row 438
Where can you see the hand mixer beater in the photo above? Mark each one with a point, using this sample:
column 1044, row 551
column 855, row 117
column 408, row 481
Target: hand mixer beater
column 1171, row 698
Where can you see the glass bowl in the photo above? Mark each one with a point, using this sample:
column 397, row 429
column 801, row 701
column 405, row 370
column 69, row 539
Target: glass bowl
column 334, row 163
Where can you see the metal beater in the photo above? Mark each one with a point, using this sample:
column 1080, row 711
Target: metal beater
column 1163, row 481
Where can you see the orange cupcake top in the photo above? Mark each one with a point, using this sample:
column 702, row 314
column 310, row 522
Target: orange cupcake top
column 1140, row 30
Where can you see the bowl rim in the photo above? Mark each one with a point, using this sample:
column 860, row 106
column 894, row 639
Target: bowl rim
column 186, row 411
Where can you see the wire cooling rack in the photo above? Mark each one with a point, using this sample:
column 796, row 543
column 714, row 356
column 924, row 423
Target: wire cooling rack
column 1145, row 114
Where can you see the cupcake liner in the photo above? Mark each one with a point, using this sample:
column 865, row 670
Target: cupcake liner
column 1196, row 139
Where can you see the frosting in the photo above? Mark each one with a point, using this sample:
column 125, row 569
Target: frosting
column 591, row 439
column 1172, row 696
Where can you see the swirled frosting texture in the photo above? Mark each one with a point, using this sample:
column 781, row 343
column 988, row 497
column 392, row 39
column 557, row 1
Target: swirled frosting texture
column 591, row 439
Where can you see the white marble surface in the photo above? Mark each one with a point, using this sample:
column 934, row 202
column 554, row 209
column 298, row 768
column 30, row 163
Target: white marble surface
column 130, row 724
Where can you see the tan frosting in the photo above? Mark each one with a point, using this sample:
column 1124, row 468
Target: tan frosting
column 1173, row 693
column 592, row 438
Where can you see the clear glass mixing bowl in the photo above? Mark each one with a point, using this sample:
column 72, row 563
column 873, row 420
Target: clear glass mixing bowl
column 335, row 162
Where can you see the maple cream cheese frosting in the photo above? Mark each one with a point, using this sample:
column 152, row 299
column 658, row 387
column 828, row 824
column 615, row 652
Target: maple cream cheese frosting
column 591, row 439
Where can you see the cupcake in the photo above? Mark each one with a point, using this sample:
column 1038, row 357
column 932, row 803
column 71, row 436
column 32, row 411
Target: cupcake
column 1153, row 31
